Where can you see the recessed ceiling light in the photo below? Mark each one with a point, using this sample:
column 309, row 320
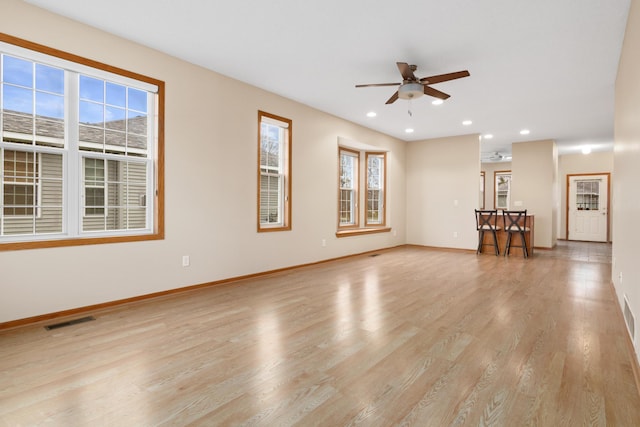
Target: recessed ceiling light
column 467, row 122
column 586, row 149
column 524, row 132
column 371, row 114
column 488, row 136
column 408, row 130
column 437, row 102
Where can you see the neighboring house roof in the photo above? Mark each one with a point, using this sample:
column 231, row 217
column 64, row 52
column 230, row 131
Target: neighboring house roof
column 120, row 133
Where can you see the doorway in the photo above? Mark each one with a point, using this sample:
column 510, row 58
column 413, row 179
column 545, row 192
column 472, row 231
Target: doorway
column 588, row 207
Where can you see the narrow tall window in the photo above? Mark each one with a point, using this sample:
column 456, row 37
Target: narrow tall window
column 502, row 189
column 274, row 172
column 375, row 189
column 348, row 199
column 80, row 150
column 482, row 184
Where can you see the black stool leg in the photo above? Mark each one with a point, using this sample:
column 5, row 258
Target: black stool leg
column 480, row 241
column 495, row 242
column 507, row 247
column 524, row 246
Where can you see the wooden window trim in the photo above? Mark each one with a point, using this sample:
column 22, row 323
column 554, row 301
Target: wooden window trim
column 495, row 188
column 356, row 213
column 158, row 231
column 362, row 231
column 484, row 189
column 286, row 211
column 382, row 154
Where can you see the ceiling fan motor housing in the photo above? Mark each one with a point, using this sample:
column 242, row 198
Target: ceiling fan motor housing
column 410, row 90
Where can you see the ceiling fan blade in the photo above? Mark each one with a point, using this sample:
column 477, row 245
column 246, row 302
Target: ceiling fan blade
column 435, row 93
column 444, row 77
column 405, row 70
column 379, row 84
column 393, row 98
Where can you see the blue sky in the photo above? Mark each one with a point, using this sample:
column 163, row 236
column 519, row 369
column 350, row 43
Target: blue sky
column 99, row 100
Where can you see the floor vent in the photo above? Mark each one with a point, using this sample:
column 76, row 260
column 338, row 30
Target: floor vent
column 629, row 319
column 372, row 255
column 69, row 323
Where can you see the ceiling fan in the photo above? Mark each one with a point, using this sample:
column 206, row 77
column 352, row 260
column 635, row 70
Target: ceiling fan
column 413, row 87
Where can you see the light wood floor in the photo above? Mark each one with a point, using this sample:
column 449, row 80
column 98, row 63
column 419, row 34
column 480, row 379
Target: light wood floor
column 411, row 336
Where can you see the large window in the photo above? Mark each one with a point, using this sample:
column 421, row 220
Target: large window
column 354, row 165
column 274, row 172
column 80, row 150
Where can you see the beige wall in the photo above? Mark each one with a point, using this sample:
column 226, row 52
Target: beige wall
column 626, row 164
column 534, row 187
column 442, row 191
column 211, row 137
column 572, row 164
column 489, row 189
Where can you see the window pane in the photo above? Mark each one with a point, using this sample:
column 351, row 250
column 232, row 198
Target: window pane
column 346, row 207
column 270, row 146
column 270, row 199
column 49, row 220
column 49, row 105
column 49, row 79
column 137, row 100
column 91, row 113
column 116, row 95
column 17, row 71
column 137, row 123
column 374, row 172
column 116, row 118
column 17, row 99
column 116, row 139
column 347, row 171
column 91, row 89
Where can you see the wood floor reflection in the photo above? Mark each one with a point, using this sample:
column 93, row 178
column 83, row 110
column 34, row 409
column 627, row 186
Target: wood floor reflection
column 412, row 336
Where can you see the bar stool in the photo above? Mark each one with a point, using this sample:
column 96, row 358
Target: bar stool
column 487, row 220
column 513, row 225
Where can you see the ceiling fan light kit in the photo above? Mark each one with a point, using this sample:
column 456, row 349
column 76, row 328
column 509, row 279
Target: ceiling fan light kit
column 410, row 91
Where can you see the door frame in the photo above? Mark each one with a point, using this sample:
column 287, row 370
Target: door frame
column 571, row 175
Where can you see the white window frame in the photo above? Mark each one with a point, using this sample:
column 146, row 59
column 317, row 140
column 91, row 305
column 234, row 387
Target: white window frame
column 73, row 191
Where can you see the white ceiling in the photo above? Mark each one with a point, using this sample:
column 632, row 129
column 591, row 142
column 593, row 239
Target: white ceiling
column 545, row 65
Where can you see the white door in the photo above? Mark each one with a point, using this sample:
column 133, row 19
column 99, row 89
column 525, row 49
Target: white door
column 588, row 201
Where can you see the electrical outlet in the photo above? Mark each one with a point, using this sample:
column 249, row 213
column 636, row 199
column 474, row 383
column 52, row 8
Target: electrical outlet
column 455, row 234
column 186, row 261
column 324, row 243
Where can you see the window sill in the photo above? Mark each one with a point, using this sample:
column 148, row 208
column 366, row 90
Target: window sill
column 360, row 231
